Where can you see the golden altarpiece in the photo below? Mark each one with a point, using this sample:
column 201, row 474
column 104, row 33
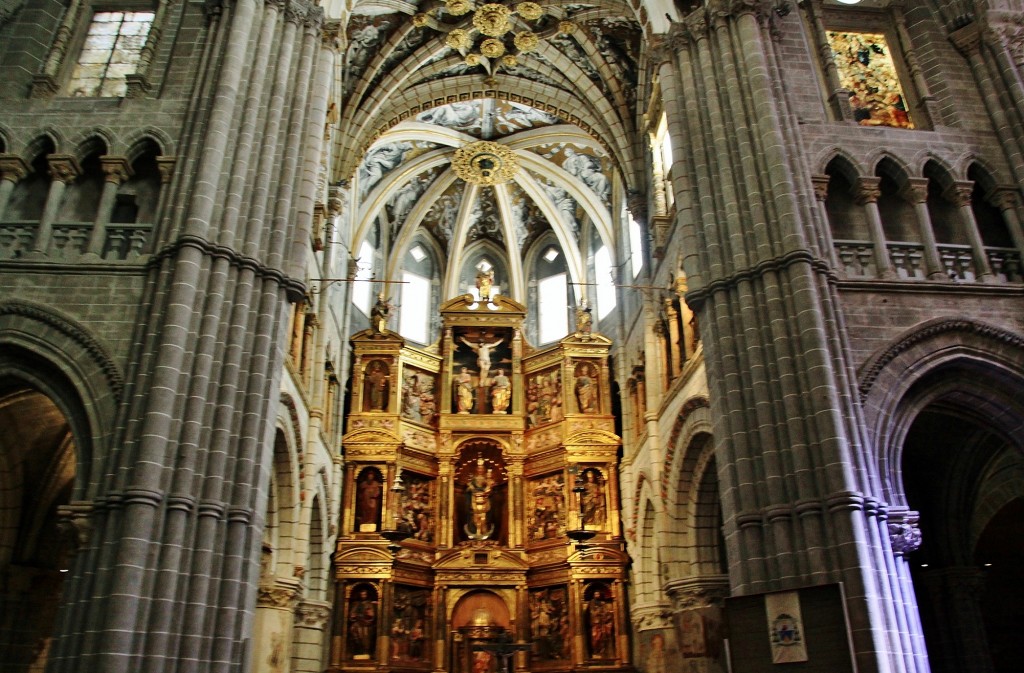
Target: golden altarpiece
column 480, row 528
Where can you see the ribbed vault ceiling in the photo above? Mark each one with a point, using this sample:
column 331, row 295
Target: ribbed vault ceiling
column 568, row 111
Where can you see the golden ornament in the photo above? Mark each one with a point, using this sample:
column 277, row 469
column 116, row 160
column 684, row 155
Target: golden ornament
column 492, row 20
column 530, row 11
column 492, row 48
column 526, row 41
column 458, row 7
column 458, row 39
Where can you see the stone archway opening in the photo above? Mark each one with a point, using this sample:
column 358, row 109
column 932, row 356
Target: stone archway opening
column 37, row 474
column 965, row 478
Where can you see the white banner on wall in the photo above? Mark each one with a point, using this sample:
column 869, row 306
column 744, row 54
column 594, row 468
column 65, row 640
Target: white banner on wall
column 785, row 627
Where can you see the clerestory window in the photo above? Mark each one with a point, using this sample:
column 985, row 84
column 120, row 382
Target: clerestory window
column 112, row 49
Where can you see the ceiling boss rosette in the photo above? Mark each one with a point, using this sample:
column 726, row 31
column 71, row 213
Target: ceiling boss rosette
column 493, row 34
column 485, row 163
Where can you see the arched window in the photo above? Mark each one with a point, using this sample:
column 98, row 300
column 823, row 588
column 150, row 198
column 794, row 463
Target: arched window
column 605, row 282
column 417, row 295
column 636, row 245
column 552, row 295
column 361, row 288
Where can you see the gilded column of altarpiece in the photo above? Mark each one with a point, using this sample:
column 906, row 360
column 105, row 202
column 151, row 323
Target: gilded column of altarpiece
column 480, row 454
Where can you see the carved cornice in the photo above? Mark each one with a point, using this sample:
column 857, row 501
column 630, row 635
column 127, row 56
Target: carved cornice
column 91, row 346
column 874, row 367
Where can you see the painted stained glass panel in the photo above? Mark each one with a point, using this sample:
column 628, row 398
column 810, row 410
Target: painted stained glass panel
column 866, row 68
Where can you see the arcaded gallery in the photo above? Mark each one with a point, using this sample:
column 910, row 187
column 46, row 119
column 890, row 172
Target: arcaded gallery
column 468, row 336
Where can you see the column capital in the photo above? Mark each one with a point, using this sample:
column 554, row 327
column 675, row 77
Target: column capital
column 959, row 193
column 867, row 190
column 698, row 592
column 312, row 613
column 820, row 183
column 64, row 167
column 1005, row 198
column 166, row 167
column 916, row 190
column 116, row 169
column 967, row 40
column 332, row 31
column 905, row 537
column 13, row 168
column 281, row 593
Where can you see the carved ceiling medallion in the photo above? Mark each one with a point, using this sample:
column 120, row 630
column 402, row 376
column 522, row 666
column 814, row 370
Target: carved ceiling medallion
column 485, row 163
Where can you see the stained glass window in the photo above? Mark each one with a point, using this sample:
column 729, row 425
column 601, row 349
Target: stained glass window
column 111, row 51
column 866, row 68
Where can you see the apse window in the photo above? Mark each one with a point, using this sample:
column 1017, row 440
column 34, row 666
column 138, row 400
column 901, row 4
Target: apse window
column 868, row 70
column 554, row 319
column 636, row 249
column 362, row 281
column 414, row 320
column 605, row 282
column 113, row 46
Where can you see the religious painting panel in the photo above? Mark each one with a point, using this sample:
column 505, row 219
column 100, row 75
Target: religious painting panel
column 481, row 364
column 418, row 402
column 361, row 620
column 544, row 397
column 376, row 385
column 410, row 617
column 369, row 492
column 599, row 620
column 595, row 500
column 549, row 624
column 867, row 69
column 546, row 507
column 656, row 649
column 481, row 491
column 415, row 506
column 586, row 388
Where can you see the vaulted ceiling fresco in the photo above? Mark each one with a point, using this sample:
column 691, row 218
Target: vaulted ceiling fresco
column 460, row 124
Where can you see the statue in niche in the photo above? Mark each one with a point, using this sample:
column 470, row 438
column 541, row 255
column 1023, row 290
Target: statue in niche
column 376, row 384
column 600, row 614
column 586, row 388
column 483, row 355
column 362, row 624
column 501, row 392
column 478, row 494
column 369, row 490
column 464, row 392
column 595, row 512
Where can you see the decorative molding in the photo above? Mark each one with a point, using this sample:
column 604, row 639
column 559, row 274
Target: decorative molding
column 113, row 375
column 874, row 367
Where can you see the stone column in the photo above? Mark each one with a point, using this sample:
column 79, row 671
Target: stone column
column 839, row 96
column 867, row 193
column 13, row 170
column 311, row 619
column 1007, row 200
column 916, row 192
column 820, row 183
column 116, row 170
column 275, row 622
column 960, row 196
column 697, row 606
column 64, row 170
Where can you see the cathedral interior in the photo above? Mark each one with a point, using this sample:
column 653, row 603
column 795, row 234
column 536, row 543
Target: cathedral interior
column 423, row 336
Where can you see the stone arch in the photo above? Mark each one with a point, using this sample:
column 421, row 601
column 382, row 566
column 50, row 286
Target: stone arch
column 833, row 154
column 978, row 362
column 135, row 141
column 63, row 360
column 691, row 446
